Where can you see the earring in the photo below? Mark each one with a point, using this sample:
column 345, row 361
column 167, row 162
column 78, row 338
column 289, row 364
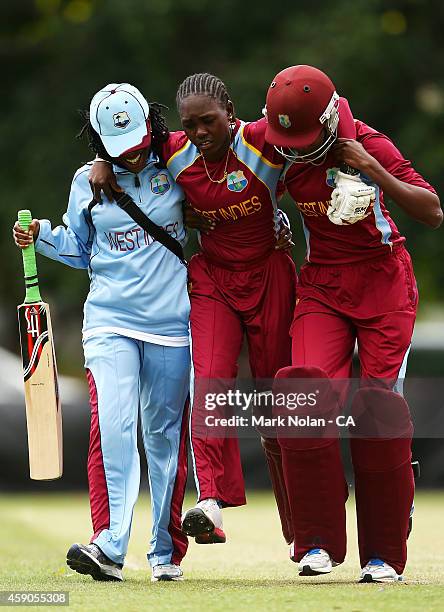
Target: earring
column 232, row 125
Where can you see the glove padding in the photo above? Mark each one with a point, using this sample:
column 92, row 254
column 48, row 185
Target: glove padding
column 350, row 200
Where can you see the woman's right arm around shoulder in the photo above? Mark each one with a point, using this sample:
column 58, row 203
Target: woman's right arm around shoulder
column 70, row 243
column 102, row 178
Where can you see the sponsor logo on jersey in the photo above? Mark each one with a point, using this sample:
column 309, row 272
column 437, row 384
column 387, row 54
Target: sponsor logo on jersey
column 331, row 177
column 137, row 238
column 121, row 120
column 160, row 184
column 314, row 209
column 233, row 212
column 284, row 120
column 236, row 181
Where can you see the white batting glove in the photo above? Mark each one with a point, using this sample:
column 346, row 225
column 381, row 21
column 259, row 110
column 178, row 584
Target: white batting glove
column 350, row 200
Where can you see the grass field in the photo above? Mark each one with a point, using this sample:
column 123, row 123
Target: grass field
column 251, row 572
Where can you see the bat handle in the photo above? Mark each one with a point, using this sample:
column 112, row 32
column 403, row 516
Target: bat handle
column 29, row 262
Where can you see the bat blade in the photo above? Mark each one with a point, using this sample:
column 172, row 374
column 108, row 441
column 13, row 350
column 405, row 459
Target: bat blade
column 43, row 410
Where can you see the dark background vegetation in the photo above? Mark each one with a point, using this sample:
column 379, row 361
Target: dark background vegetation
column 386, row 57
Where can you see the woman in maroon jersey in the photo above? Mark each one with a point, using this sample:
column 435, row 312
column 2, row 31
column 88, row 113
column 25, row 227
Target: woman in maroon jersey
column 240, row 283
column 357, row 285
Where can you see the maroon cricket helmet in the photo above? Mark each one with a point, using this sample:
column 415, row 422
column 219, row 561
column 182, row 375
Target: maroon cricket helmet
column 301, row 101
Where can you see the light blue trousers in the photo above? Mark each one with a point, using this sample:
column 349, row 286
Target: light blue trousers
column 131, row 375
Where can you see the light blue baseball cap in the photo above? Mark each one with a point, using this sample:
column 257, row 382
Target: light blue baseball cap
column 119, row 113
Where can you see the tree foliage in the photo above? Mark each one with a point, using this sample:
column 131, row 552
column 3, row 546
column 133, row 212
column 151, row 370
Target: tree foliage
column 385, row 57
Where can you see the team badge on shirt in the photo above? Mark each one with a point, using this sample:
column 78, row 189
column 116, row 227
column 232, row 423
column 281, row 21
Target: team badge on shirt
column 331, row 177
column 284, row 120
column 236, row 181
column 121, row 120
column 160, row 184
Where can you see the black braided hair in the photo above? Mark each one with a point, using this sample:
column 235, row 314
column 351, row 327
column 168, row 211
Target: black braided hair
column 203, row 84
column 159, row 127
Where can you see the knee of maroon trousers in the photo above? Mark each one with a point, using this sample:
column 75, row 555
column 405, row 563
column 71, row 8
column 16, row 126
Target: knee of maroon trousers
column 317, row 492
column 273, row 455
column 322, row 338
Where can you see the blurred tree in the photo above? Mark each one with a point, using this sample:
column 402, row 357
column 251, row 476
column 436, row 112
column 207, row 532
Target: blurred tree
column 385, row 56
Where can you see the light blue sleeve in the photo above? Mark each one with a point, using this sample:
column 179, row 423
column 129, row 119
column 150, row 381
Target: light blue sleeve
column 71, row 244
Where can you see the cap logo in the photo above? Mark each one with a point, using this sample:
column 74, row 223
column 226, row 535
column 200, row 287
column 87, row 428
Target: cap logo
column 121, row 119
column 284, row 120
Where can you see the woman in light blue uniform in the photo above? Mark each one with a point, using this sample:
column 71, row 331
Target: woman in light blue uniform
column 135, row 335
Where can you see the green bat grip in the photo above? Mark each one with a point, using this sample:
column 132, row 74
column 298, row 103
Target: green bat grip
column 29, row 262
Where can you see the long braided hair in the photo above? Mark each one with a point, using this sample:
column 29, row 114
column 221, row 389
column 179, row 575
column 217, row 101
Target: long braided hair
column 203, row 84
column 159, row 132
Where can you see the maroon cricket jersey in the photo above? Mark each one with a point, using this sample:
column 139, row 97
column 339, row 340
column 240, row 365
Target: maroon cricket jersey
column 311, row 187
column 243, row 205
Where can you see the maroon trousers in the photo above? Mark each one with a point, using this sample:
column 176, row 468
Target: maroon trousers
column 374, row 304
column 225, row 305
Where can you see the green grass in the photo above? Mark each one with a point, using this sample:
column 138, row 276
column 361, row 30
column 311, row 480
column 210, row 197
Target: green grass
column 250, row 572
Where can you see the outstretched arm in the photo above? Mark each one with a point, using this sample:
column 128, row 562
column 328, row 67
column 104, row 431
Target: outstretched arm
column 70, row 243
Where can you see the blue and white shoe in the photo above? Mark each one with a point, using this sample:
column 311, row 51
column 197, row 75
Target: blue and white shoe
column 377, row 570
column 316, row 561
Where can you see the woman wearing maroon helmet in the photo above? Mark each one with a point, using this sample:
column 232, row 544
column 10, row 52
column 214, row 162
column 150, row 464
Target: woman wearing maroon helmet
column 357, row 285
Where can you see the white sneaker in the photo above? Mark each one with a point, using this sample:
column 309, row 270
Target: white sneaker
column 316, row 561
column 204, row 522
column 377, row 570
column 165, row 572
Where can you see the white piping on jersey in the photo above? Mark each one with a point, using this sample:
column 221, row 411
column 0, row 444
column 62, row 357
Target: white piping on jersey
column 307, row 236
column 380, row 221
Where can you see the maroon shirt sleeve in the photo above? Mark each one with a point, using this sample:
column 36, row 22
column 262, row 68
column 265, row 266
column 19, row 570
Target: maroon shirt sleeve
column 390, row 158
column 176, row 141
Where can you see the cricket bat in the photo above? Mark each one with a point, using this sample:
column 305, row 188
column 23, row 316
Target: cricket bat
column 43, row 409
